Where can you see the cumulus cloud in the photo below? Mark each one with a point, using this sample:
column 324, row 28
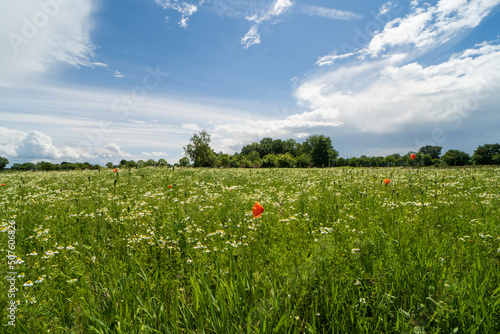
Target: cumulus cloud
column 385, row 89
column 231, row 135
column 35, row 145
column 423, row 29
column 38, row 34
column 383, row 97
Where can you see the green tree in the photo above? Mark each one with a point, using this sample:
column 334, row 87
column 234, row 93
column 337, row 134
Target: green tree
column 199, row 150
column 270, row 161
column 184, row 162
column 434, row 151
column 322, row 152
column 3, row 162
column 286, row 160
column 265, row 146
column 109, row 164
column 17, row 166
column 291, row 146
column 278, row 146
column 222, row 160
column 303, row 160
column 487, row 154
column 341, row 162
column 427, row 159
column 456, row 158
column 249, row 148
column 253, row 157
column 162, row 163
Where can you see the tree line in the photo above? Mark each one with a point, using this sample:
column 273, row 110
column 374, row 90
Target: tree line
column 48, row 166
column 316, row 151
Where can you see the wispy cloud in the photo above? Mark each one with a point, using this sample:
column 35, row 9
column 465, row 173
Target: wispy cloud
column 425, row 28
column 252, row 37
column 430, row 26
column 330, row 13
column 118, row 74
column 185, row 8
column 40, row 34
column 84, row 124
column 155, row 154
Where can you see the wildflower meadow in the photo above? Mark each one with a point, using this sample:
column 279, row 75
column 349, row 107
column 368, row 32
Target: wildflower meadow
column 185, row 250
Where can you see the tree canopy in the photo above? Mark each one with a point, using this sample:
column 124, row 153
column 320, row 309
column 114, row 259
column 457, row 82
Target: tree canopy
column 199, row 150
column 3, row 162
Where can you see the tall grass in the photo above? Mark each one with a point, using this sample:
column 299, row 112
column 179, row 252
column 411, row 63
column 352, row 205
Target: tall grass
column 335, row 251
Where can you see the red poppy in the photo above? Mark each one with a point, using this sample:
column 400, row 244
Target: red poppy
column 115, row 170
column 257, row 210
column 170, row 186
column 413, row 156
column 387, row 181
column 3, row 184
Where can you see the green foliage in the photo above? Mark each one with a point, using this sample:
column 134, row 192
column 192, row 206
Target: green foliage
column 456, row 158
column 253, row 157
column 3, row 162
column 433, row 151
column 321, row 150
column 162, row 163
column 488, row 154
column 286, row 160
column 303, row 160
column 184, row 162
column 199, row 150
column 270, row 161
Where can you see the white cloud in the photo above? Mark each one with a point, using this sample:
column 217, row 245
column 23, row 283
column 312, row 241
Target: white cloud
column 79, row 124
column 385, row 8
column 37, row 34
column 186, row 9
column 191, row 127
column 330, row 13
column 384, row 97
column 118, row 74
column 431, row 26
column 332, row 58
column 426, row 27
column 233, row 134
column 154, row 154
column 36, row 145
column 279, row 7
column 252, row 37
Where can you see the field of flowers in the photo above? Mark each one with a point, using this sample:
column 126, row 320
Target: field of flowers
column 156, row 250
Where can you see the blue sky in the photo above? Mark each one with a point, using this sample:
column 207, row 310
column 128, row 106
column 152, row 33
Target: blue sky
column 98, row 81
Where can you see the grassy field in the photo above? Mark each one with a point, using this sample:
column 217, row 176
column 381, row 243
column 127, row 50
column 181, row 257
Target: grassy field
column 179, row 251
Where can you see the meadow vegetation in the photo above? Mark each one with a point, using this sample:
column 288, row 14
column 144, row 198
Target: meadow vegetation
column 337, row 250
